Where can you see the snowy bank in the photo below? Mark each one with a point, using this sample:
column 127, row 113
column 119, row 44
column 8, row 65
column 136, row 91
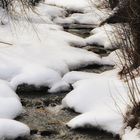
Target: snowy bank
column 107, row 36
column 97, row 98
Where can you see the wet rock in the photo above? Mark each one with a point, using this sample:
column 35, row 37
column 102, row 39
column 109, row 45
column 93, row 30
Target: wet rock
column 82, row 32
column 29, row 89
column 78, row 26
column 97, row 49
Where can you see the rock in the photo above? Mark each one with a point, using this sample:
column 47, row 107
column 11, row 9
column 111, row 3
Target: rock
column 78, row 26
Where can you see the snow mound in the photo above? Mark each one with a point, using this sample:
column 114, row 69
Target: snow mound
column 115, row 58
column 72, row 5
column 10, row 129
column 43, row 60
column 107, row 36
column 74, row 76
column 99, row 120
column 10, row 106
column 36, row 75
column 131, row 134
column 78, row 6
column 93, row 18
column 100, row 100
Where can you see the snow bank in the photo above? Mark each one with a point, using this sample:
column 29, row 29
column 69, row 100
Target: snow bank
column 10, row 106
column 131, row 134
column 69, row 4
column 38, row 76
column 10, row 129
column 41, row 53
column 43, row 60
column 115, row 58
column 45, row 14
column 74, row 76
column 94, row 18
column 79, row 6
column 108, row 36
column 100, row 100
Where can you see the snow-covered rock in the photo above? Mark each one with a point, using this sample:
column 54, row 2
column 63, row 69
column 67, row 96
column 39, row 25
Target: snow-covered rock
column 10, row 129
column 107, row 36
column 79, row 6
column 102, row 100
column 70, row 4
column 131, row 134
column 10, row 106
column 93, row 18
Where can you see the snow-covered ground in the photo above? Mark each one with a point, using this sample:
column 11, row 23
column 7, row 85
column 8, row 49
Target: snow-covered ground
column 41, row 53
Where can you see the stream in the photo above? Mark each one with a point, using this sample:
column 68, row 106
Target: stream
column 43, row 112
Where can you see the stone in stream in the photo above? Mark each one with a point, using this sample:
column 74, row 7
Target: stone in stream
column 82, row 32
column 78, row 26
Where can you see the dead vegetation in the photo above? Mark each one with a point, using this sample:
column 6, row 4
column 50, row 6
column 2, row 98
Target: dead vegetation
column 130, row 49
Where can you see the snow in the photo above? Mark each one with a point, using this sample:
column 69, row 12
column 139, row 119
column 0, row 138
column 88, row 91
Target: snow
column 131, row 134
column 69, row 4
column 79, row 6
column 94, row 18
column 50, row 58
column 10, row 129
column 100, row 100
column 99, row 120
column 40, row 53
column 107, row 36
column 74, row 76
column 114, row 58
column 10, row 105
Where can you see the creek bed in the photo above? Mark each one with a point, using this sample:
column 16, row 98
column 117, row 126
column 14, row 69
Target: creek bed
column 47, row 120
column 43, row 112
